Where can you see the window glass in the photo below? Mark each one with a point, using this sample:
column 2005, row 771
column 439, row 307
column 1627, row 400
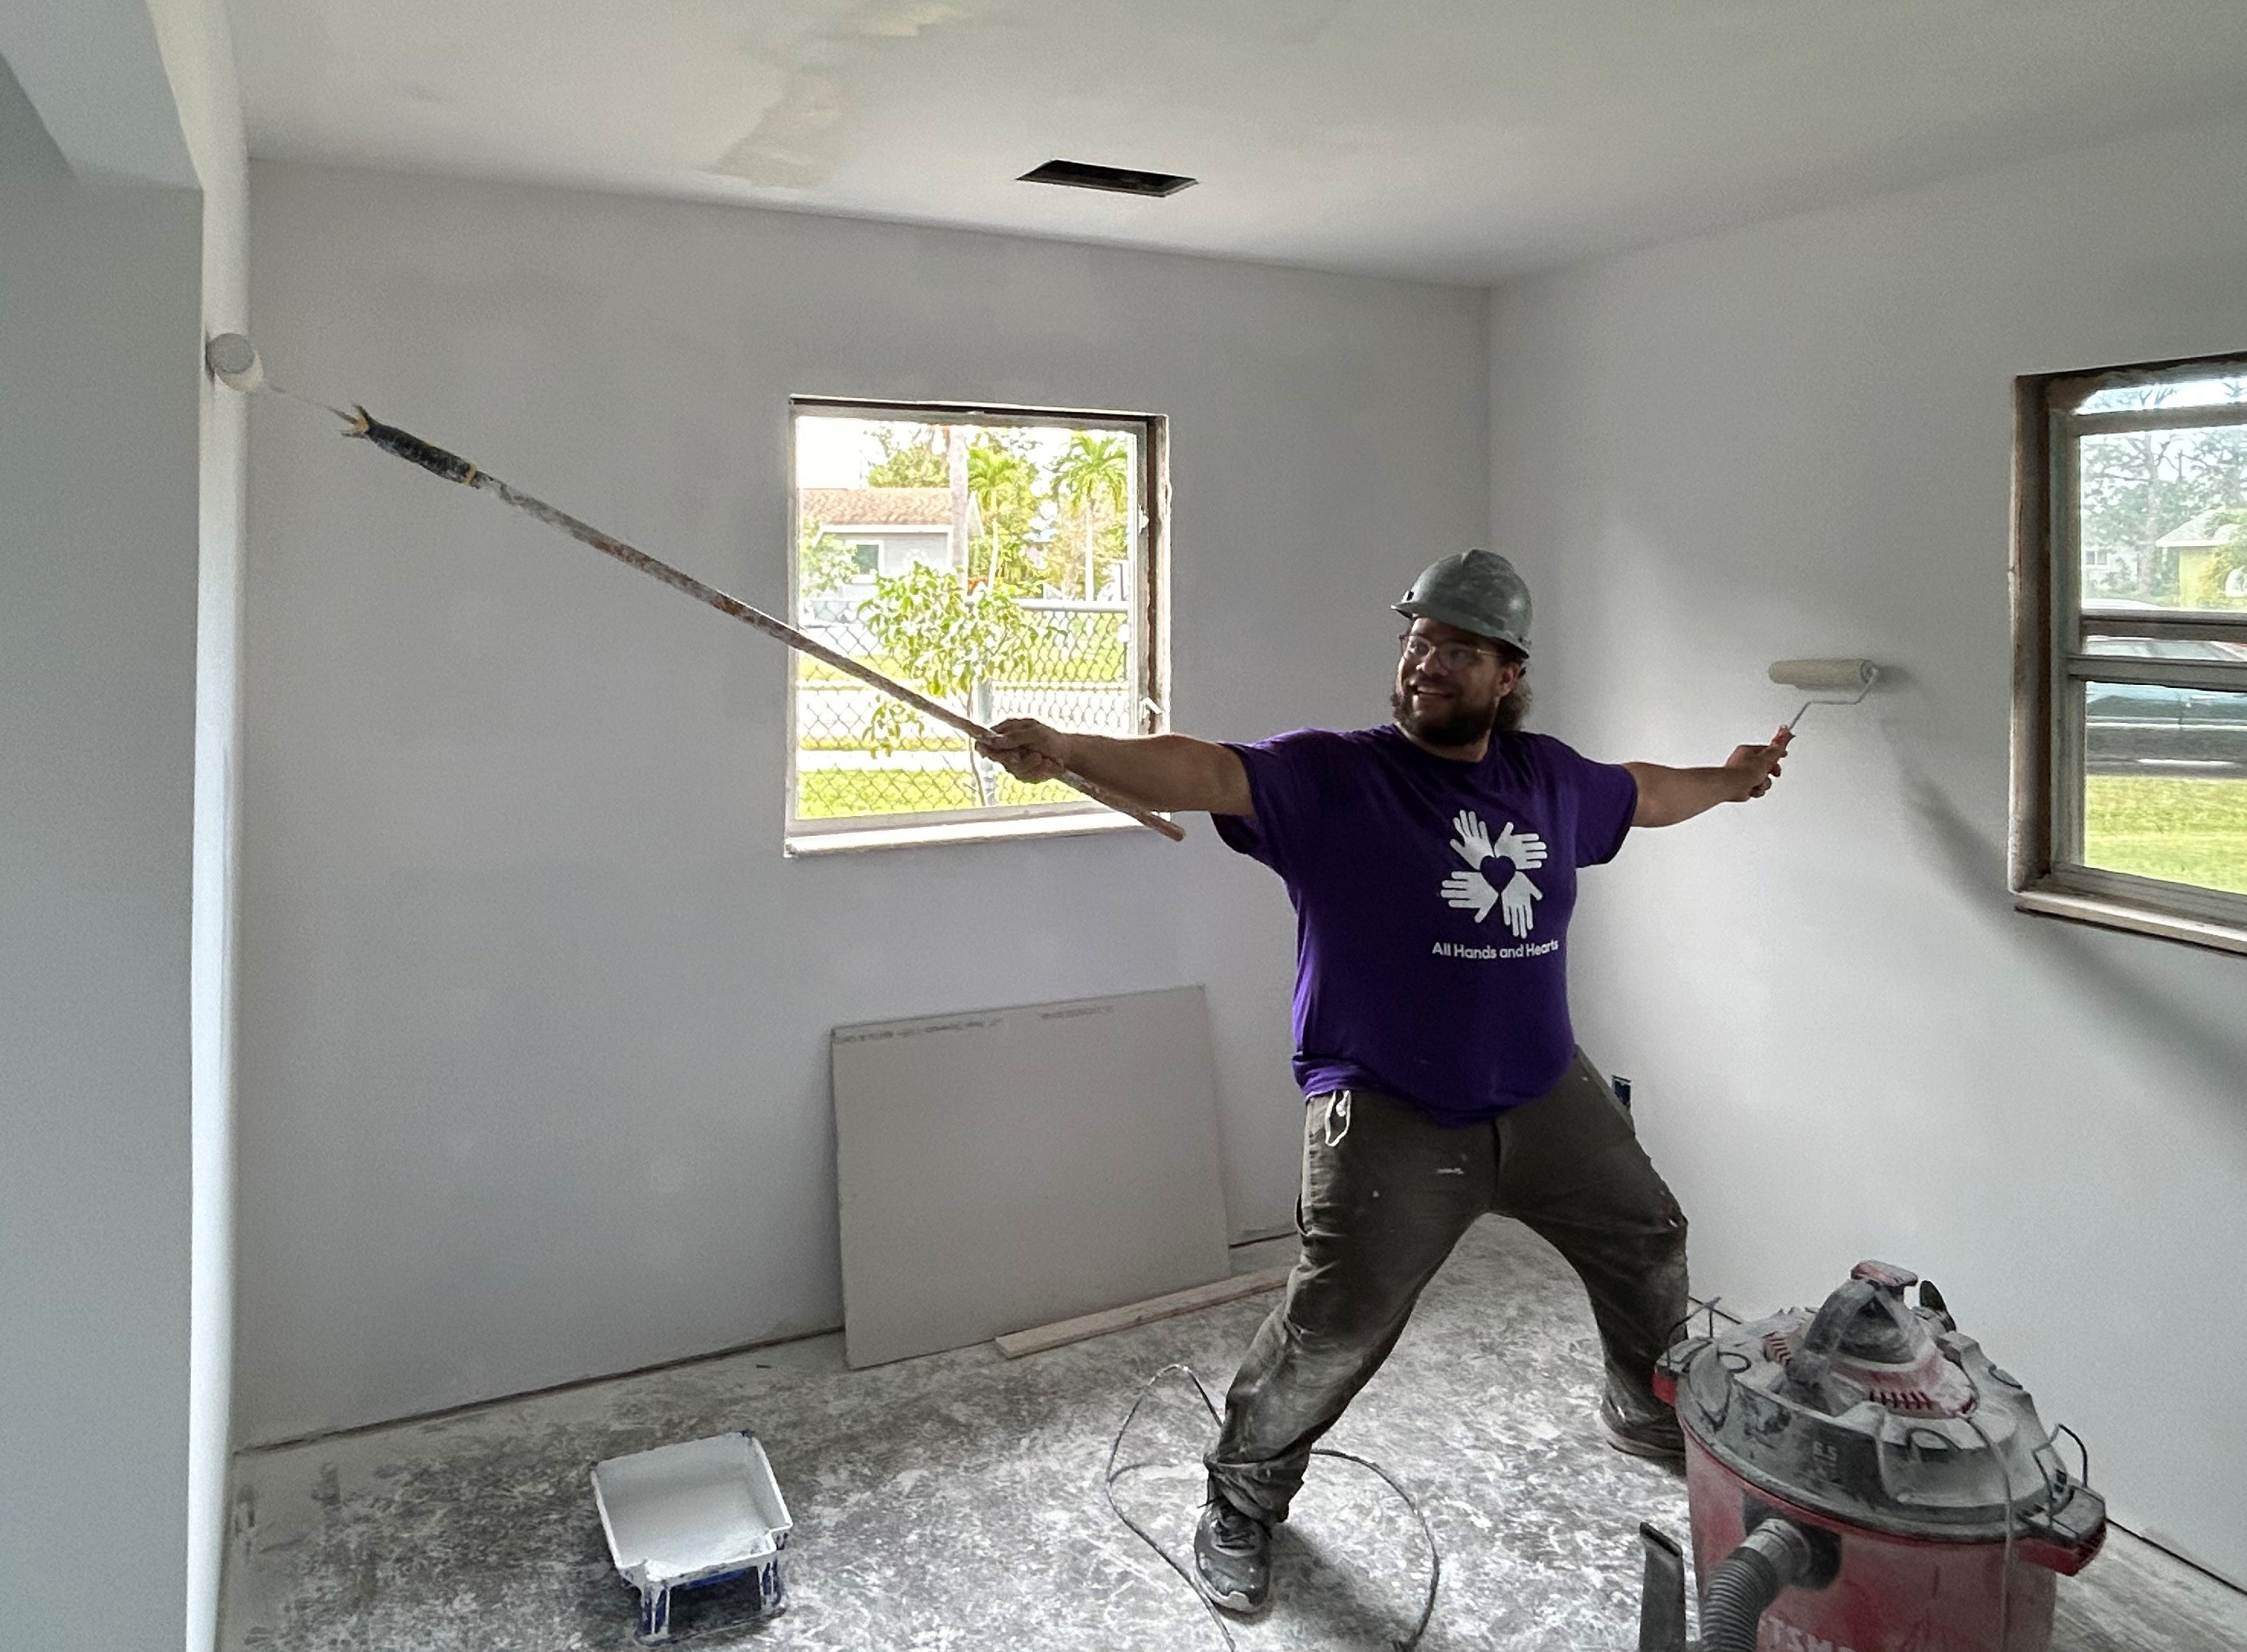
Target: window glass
column 2163, row 522
column 2165, row 783
column 995, row 568
column 2209, row 391
column 2136, row 566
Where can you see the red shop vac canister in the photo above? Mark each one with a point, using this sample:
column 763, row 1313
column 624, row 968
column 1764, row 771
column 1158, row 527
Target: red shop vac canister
column 1864, row 1480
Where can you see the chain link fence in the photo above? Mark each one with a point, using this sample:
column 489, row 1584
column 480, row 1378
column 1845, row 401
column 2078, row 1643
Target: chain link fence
column 1077, row 675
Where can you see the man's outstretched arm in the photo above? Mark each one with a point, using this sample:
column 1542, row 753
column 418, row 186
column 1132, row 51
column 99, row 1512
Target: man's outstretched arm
column 1668, row 795
column 1168, row 772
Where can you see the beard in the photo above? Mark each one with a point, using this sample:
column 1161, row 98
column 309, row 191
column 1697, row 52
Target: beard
column 1462, row 726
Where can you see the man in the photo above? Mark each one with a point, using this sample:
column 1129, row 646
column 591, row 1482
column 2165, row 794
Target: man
column 1432, row 864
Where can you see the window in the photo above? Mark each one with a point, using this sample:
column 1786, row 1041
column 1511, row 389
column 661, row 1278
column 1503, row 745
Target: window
column 2130, row 636
column 1005, row 562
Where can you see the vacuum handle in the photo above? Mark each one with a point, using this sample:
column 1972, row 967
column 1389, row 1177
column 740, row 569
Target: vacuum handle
column 1808, row 1366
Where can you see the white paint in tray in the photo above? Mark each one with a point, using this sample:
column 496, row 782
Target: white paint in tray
column 693, row 1513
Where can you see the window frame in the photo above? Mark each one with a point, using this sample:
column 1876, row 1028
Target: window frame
column 1149, row 608
column 2051, row 668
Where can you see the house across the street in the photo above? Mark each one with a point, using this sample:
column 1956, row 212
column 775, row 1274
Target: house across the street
column 893, row 527
column 2208, row 571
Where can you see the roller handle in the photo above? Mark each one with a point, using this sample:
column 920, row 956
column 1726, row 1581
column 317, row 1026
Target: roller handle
column 403, row 444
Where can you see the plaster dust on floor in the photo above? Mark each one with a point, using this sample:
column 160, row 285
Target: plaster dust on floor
column 954, row 1501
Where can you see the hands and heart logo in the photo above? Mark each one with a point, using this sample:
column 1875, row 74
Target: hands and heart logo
column 1470, row 891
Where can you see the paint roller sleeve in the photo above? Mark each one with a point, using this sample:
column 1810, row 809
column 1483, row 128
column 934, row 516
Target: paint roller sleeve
column 1851, row 678
column 1810, row 675
column 234, row 361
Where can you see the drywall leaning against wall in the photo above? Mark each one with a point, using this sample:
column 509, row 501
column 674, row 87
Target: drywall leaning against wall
column 1792, row 440
column 534, row 1013
column 1010, row 1168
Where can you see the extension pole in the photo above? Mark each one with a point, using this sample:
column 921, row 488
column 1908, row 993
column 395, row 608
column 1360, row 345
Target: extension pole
column 405, row 445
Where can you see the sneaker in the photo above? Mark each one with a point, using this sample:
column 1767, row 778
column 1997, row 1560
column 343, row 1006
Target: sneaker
column 1232, row 1556
column 1658, row 1437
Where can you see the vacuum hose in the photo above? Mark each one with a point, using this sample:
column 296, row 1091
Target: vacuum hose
column 1748, row 1579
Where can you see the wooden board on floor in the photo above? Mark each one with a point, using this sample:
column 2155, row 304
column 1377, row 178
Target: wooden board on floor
column 1007, row 1168
column 1017, row 1343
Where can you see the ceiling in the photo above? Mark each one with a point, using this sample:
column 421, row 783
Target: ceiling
column 1461, row 140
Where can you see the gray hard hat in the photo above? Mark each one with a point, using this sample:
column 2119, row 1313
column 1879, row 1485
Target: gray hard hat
column 1477, row 591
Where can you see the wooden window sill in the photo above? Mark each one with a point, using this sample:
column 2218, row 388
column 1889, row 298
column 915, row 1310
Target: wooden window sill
column 2107, row 912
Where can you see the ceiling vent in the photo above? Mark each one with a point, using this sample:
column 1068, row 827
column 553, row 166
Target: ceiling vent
column 1081, row 174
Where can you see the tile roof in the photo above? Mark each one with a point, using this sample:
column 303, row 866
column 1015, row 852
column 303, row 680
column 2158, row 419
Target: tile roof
column 879, row 507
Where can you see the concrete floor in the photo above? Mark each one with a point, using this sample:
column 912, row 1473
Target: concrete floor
column 955, row 1502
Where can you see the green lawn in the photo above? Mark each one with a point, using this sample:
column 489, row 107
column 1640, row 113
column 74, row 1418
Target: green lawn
column 2185, row 831
column 828, row 793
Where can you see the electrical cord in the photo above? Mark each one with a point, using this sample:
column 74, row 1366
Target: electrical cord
column 2005, row 1574
column 1404, row 1643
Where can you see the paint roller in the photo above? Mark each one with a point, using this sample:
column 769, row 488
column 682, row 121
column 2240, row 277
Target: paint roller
column 1853, row 678
column 233, row 363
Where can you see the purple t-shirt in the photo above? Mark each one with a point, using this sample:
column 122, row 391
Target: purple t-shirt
column 1431, row 906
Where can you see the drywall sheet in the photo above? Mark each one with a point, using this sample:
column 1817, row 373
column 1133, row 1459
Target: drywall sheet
column 1007, row 1168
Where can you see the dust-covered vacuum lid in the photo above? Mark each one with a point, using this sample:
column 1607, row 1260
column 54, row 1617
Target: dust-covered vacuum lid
column 1883, row 1414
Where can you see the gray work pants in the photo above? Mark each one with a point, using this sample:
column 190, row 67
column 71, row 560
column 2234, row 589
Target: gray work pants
column 1386, row 1191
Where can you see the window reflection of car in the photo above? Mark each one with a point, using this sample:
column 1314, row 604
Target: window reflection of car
column 2139, row 722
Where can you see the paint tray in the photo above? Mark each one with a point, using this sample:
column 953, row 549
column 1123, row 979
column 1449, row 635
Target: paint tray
column 700, row 1512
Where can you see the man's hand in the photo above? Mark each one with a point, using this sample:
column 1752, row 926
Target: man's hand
column 1754, row 768
column 1519, row 903
column 1668, row 795
column 1027, row 749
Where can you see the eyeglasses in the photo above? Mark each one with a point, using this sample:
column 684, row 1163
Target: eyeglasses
column 1451, row 656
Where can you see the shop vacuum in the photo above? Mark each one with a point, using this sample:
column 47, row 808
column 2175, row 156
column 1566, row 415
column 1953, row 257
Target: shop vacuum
column 1864, row 1480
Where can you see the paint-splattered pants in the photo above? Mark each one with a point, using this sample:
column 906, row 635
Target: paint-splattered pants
column 1387, row 1192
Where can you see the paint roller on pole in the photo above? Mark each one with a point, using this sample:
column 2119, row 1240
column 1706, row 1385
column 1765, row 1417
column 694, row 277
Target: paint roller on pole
column 234, row 361
column 1852, row 678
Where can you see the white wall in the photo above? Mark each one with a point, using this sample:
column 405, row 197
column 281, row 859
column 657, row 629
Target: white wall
column 98, row 373
column 197, row 49
column 128, row 563
column 1795, row 439
column 534, row 1013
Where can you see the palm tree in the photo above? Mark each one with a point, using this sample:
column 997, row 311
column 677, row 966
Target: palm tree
column 1092, row 470
column 1000, row 481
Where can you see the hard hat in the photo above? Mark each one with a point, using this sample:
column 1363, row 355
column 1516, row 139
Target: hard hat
column 1477, row 591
